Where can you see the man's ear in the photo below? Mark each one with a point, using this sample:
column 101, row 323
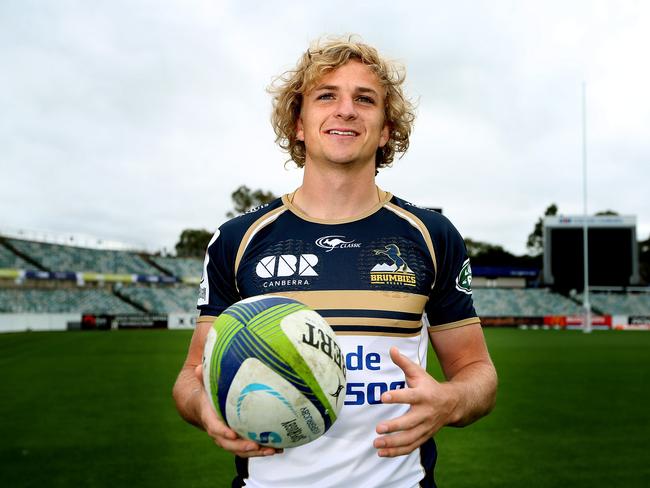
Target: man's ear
column 385, row 135
column 300, row 133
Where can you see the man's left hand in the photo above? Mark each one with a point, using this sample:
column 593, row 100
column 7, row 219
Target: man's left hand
column 432, row 406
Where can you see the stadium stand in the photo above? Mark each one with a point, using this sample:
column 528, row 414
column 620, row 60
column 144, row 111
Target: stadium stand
column 168, row 299
column 9, row 260
column 620, row 303
column 57, row 257
column 522, row 302
column 40, row 300
column 183, row 268
column 47, row 278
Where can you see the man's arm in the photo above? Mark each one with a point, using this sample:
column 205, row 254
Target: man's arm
column 466, row 364
column 194, row 406
column 469, row 393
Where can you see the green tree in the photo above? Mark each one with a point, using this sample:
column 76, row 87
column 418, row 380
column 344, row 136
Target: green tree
column 535, row 242
column 245, row 199
column 193, row 243
column 478, row 248
column 607, row 212
column 644, row 260
column 486, row 254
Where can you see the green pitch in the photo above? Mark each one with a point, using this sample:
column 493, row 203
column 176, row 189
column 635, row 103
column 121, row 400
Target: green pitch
column 94, row 409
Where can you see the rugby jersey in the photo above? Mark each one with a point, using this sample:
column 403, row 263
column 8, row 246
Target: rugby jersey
column 381, row 279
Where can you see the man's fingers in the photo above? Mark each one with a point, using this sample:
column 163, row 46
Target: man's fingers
column 215, row 428
column 212, row 423
column 405, row 364
column 229, row 440
column 401, row 450
column 246, row 448
column 261, row 453
column 399, row 439
column 198, row 373
column 266, row 451
column 401, row 395
column 405, row 422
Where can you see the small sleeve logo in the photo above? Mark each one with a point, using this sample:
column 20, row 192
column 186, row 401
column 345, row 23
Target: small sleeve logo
column 464, row 279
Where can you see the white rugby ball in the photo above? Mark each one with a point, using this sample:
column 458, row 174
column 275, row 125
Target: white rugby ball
column 274, row 371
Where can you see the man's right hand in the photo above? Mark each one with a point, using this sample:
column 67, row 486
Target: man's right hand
column 222, row 435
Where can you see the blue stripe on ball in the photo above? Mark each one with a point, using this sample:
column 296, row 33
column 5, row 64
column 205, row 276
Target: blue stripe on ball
column 246, row 344
column 245, row 311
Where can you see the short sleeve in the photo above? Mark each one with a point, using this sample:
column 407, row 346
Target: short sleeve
column 217, row 290
column 450, row 302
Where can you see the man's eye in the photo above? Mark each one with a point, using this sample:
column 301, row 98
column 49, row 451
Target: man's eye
column 365, row 99
column 325, row 96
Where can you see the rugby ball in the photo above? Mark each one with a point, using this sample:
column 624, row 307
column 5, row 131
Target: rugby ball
column 274, row 371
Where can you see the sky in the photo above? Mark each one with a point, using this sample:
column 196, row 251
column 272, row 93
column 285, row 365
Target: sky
column 132, row 120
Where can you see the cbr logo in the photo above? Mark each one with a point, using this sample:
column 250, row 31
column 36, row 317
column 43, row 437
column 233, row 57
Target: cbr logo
column 287, row 265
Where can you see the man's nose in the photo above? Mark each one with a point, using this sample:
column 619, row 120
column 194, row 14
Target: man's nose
column 346, row 109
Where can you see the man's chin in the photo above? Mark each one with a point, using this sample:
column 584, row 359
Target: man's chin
column 345, row 159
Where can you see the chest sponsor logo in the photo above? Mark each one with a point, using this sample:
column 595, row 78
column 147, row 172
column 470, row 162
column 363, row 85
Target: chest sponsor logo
column 291, row 269
column 336, row 242
column 464, row 278
column 394, row 272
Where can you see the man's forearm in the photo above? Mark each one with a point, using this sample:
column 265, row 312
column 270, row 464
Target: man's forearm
column 475, row 386
column 187, row 395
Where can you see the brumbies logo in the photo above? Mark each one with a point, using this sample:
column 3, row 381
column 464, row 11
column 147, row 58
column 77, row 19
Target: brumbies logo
column 464, row 278
column 397, row 273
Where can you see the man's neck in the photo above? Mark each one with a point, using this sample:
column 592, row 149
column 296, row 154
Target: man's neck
column 336, row 193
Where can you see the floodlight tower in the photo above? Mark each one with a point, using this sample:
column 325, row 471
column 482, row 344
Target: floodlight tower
column 586, row 324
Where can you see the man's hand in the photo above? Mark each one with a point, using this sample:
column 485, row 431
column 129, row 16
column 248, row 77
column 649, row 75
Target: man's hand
column 222, row 435
column 194, row 405
column 432, row 406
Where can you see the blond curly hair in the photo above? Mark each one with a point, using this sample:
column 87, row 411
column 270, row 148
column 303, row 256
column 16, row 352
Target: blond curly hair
column 324, row 56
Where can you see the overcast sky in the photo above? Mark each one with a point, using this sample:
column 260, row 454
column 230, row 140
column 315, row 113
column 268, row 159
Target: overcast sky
column 132, row 120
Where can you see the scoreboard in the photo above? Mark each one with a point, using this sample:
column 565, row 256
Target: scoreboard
column 613, row 251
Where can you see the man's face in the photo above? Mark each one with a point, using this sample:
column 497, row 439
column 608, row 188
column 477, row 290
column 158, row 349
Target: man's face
column 342, row 117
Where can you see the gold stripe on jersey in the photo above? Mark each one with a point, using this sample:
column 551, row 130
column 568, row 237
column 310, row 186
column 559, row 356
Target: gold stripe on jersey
column 205, row 318
column 375, row 322
column 418, row 224
column 453, row 325
column 376, row 333
column 258, row 225
column 394, row 301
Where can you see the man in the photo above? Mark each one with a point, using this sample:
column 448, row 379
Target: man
column 386, row 275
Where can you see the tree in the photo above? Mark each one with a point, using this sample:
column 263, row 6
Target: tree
column 607, row 212
column 480, row 248
column 535, row 242
column 193, row 243
column 486, row 254
column 644, row 260
column 244, row 199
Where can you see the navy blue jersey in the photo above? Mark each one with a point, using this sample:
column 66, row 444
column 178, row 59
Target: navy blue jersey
column 380, row 279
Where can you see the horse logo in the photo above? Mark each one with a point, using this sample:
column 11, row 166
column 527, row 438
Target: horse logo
column 392, row 252
column 397, row 273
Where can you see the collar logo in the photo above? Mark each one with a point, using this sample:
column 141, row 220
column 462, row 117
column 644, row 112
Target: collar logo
column 336, row 242
column 397, row 273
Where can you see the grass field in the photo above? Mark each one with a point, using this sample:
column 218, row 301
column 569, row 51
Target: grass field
column 94, row 409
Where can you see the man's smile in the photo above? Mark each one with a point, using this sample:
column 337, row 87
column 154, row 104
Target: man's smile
column 342, row 132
